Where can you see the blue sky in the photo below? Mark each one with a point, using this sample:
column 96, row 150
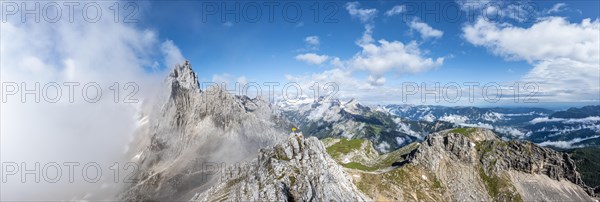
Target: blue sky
column 265, row 50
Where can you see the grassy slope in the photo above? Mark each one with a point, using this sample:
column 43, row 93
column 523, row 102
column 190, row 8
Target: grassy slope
column 344, row 146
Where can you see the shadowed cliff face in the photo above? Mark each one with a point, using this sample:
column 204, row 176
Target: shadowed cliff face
column 189, row 129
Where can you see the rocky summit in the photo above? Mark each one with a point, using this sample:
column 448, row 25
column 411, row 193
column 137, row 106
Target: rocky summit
column 188, row 128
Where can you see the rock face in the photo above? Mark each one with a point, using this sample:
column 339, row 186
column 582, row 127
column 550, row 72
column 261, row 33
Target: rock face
column 475, row 165
column 189, row 128
column 297, row 169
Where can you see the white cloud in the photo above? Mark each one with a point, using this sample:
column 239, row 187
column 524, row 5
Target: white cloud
column 365, row 15
column 559, row 7
column 395, row 10
column 565, row 56
column 377, row 58
column 401, row 140
column 103, row 52
column 387, row 56
column 376, row 81
column 229, row 82
column 367, row 36
column 499, row 10
column 547, row 39
column 566, row 80
column 312, row 58
column 242, row 80
column 313, row 42
column 567, row 144
column 222, row 78
column 470, row 5
column 453, row 118
column 589, row 120
column 172, row 54
column 425, row 30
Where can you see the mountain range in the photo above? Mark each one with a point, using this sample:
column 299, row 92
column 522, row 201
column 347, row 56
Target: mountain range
column 572, row 128
column 209, row 145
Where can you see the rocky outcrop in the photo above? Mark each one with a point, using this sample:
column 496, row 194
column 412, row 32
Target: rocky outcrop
column 297, row 169
column 473, row 164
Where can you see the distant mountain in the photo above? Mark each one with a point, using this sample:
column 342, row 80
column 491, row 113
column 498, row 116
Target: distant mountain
column 575, row 127
column 506, row 121
column 578, row 113
column 325, row 118
column 468, row 115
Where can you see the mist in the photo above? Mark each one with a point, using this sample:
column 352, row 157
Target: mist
column 71, row 99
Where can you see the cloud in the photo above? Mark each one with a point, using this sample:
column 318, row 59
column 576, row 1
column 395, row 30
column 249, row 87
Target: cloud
column 343, row 79
column 222, row 78
column 377, row 58
column 589, row 120
column 559, row 7
column 231, row 82
column 172, row 54
column 568, row 144
column 376, row 81
column 312, row 58
column 566, row 80
column 468, row 5
column 425, row 30
column 565, row 56
column 242, row 80
column 500, row 10
column 549, row 38
column 395, row 10
column 312, row 42
column 364, row 15
column 103, row 53
column 397, row 56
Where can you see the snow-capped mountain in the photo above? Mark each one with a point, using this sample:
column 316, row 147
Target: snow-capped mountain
column 468, row 115
column 324, row 118
column 575, row 127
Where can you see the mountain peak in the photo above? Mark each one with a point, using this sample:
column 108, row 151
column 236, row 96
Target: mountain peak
column 184, row 76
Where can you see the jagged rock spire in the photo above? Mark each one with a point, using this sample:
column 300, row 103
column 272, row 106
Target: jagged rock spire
column 184, row 76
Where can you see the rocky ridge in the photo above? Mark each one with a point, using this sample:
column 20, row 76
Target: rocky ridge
column 475, row 164
column 297, row 169
column 463, row 164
